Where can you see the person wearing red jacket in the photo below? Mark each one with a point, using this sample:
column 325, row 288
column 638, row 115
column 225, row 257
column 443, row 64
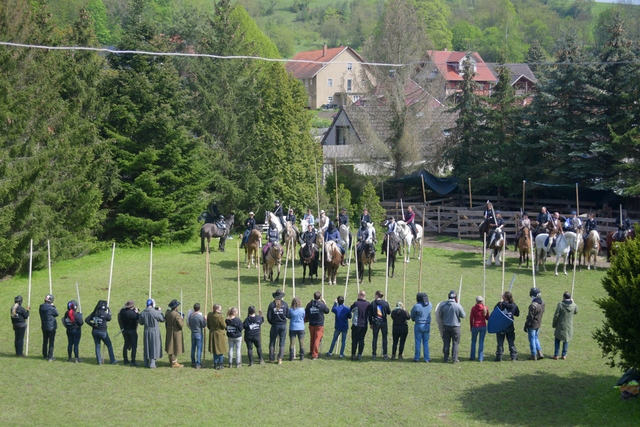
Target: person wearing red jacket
column 478, row 320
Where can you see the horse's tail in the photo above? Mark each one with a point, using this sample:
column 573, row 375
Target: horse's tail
column 202, row 239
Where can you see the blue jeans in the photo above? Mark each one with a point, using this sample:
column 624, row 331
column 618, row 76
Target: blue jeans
column 565, row 347
column 534, row 342
column 196, row 343
column 104, row 337
column 218, row 358
column 482, row 330
column 421, row 332
column 336, row 334
column 73, row 335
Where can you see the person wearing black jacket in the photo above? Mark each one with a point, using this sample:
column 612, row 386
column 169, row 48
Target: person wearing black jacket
column 365, row 216
column 234, row 336
column 250, row 225
column 48, row 314
column 315, row 311
column 251, row 327
column 277, row 318
column 510, row 309
column 72, row 320
column 359, row 324
column 19, row 318
column 98, row 321
column 377, row 314
column 400, row 330
column 128, row 322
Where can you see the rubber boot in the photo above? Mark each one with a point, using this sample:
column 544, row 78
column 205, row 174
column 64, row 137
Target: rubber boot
column 301, row 354
column 291, row 356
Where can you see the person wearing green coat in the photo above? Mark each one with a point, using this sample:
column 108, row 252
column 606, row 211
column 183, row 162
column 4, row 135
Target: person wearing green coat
column 563, row 324
column 217, row 337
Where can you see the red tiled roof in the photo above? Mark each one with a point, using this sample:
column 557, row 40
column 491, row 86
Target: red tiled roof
column 441, row 58
column 306, row 70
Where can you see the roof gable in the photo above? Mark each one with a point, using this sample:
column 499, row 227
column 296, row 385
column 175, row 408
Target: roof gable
column 442, row 59
column 315, row 61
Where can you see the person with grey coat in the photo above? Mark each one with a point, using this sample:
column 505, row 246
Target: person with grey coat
column 563, row 324
column 151, row 318
column 450, row 313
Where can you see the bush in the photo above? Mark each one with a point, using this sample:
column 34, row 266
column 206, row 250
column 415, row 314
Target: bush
column 619, row 336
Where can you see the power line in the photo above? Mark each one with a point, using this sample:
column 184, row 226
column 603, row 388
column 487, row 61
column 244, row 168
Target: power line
column 308, row 61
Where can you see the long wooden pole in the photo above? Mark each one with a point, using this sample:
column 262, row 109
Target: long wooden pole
column 286, row 264
column 26, row 353
column 315, row 163
column 470, row 199
column 151, row 268
column 210, row 280
column 323, row 250
column 206, row 300
column 533, row 262
column 355, row 251
column 49, row 257
column 424, row 195
column 335, row 172
column 620, row 224
column 577, row 203
column 238, row 251
column 524, row 182
column 484, row 265
column 404, row 282
column 421, row 253
column 113, row 254
column 504, row 256
column 460, row 291
column 346, row 283
column 78, row 296
column 386, row 284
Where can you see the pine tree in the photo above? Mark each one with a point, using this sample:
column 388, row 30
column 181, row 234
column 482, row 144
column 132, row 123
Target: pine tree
column 535, row 57
column 370, row 200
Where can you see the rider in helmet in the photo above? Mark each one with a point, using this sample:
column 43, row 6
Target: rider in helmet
column 533, row 323
column 573, row 224
column 277, row 211
column 410, row 219
column 522, row 223
column 250, row 225
column 332, row 234
column 590, row 224
column 272, row 237
column 291, row 217
column 48, row 314
column 497, row 224
column 220, row 223
column 623, row 227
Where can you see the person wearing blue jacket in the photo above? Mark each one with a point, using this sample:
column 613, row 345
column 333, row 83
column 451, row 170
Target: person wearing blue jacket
column 333, row 234
column 343, row 314
column 296, row 316
column 421, row 315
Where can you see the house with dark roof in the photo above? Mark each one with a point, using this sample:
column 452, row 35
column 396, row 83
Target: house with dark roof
column 522, row 78
column 450, row 65
column 330, row 76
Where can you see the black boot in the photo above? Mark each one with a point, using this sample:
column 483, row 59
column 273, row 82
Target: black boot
column 301, row 354
column 291, row 356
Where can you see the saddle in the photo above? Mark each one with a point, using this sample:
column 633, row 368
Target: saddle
column 221, row 225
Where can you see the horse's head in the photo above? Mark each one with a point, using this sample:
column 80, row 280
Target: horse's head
column 203, row 216
column 276, row 251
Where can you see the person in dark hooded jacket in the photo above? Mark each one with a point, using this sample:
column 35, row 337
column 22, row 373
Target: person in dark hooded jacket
column 315, row 311
column 48, row 314
column 19, row 318
column 128, row 322
column 98, row 321
column 421, row 315
column 533, row 323
column 510, row 309
column 400, row 329
column 359, row 324
column 72, row 320
column 378, row 311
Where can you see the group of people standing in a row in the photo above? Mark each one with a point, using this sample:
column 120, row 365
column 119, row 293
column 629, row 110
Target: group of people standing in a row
column 226, row 333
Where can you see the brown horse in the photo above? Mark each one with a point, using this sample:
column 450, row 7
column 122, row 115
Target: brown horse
column 273, row 257
column 332, row 260
column 309, row 258
column 394, row 248
column 365, row 257
column 524, row 246
column 251, row 248
column 589, row 248
column 211, row 230
column 612, row 245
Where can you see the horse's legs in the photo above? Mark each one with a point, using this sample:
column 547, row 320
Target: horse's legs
column 278, row 277
column 369, row 271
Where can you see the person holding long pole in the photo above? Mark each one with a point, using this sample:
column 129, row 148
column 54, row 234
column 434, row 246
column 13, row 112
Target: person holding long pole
column 98, row 321
column 19, row 318
column 73, row 322
column 450, row 313
column 26, row 353
column 48, row 314
column 128, row 322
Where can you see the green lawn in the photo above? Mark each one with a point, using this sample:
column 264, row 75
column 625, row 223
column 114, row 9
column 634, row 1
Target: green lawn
column 577, row 391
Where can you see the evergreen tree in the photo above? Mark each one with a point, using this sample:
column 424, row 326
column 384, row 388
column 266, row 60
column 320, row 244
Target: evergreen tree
column 433, row 16
column 370, row 200
column 535, row 57
column 99, row 15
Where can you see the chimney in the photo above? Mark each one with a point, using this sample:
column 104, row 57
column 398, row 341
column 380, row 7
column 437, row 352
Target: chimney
column 324, row 50
column 445, row 49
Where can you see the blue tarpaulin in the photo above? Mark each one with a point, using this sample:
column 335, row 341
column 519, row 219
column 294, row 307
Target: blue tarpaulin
column 439, row 185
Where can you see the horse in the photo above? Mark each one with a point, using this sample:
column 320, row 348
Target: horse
column 524, row 246
column 366, row 256
column 251, row 247
column 291, row 238
column 345, row 236
column 309, row 257
column 590, row 247
column 332, row 260
column 484, row 228
column 575, row 250
column 304, row 224
column 212, row 230
column 394, row 247
column 540, row 251
column 495, row 248
column 406, row 237
column 612, row 245
column 272, row 219
column 372, row 233
column 271, row 258
column 564, row 244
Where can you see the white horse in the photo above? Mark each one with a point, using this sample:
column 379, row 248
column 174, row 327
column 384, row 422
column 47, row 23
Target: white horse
column 344, row 236
column 540, row 250
column 406, row 237
column 272, row 219
column 496, row 246
column 590, row 247
column 564, row 244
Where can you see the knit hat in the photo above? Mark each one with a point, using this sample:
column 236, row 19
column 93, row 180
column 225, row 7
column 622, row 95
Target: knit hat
column 129, row 304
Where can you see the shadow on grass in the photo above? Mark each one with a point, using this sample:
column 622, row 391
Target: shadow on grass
column 539, row 398
column 193, row 252
column 467, row 259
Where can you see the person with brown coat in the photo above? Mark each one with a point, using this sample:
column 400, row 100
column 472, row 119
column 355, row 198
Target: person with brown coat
column 533, row 323
column 218, row 336
column 174, row 344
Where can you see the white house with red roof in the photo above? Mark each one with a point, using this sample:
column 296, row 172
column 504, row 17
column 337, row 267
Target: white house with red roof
column 450, row 65
column 329, row 75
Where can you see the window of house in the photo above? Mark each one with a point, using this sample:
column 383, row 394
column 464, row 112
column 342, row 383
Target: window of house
column 306, row 83
column 356, row 98
column 348, row 85
column 311, row 82
column 341, row 135
column 330, row 82
column 330, row 99
column 349, row 66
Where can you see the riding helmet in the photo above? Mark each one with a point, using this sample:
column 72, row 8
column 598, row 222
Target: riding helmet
column 453, row 295
column 534, row 292
column 18, row 299
column 49, row 299
column 72, row 305
column 151, row 303
column 221, row 216
column 278, row 201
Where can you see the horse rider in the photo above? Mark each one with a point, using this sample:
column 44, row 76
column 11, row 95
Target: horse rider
column 365, row 216
column 574, row 223
column 521, row 224
column 277, row 211
column 323, row 222
column 392, row 233
column 250, row 225
column 220, row 223
column 343, row 218
column 542, row 219
column 272, row 237
column 309, row 235
column 409, row 219
column 497, row 224
column 623, row 227
column 555, row 226
column 362, row 236
column 309, row 218
column 291, row 217
column 332, row 234
column 590, row 224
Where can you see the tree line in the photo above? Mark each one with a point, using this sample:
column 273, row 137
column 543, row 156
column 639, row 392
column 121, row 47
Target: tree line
column 132, row 148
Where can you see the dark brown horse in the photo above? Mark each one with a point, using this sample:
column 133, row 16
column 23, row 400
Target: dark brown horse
column 309, row 258
column 394, row 247
column 524, row 246
column 612, row 245
column 365, row 257
column 211, row 230
column 251, row 248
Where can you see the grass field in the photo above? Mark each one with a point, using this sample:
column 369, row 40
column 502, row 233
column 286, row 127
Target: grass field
column 577, row 391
